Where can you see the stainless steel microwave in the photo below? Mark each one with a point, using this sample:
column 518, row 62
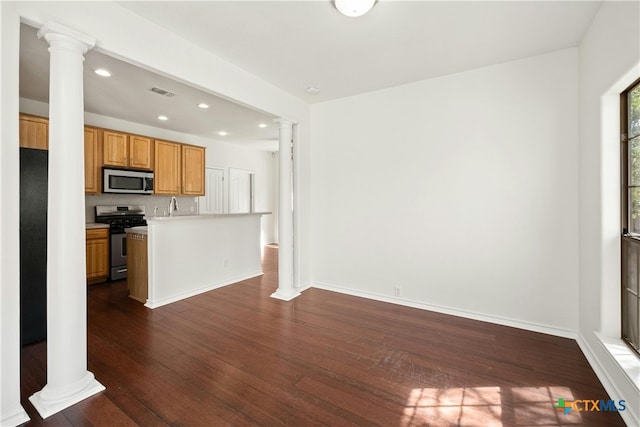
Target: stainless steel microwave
column 127, row 181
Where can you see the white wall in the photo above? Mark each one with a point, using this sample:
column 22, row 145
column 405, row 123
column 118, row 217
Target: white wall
column 261, row 164
column 461, row 190
column 609, row 62
column 11, row 412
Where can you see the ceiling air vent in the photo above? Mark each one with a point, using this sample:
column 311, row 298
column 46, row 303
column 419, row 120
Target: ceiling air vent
column 162, row 92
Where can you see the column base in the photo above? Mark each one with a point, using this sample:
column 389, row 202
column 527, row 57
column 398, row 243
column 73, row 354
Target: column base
column 285, row 296
column 16, row 419
column 48, row 402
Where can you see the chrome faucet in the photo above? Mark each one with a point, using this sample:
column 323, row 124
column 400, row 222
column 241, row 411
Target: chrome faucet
column 173, row 205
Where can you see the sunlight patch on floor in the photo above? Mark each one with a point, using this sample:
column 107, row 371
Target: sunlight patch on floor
column 488, row 407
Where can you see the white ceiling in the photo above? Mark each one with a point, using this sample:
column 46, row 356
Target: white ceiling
column 126, row 95
column 297, row 44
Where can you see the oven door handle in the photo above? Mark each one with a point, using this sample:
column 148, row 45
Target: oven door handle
column 122, row 270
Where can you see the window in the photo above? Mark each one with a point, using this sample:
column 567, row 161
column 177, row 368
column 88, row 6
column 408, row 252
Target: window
column 630, row 169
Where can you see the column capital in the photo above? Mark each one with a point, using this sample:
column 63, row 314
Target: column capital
column 285, row 121
column 54, row 32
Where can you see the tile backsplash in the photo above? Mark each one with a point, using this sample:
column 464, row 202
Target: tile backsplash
column 187, row 205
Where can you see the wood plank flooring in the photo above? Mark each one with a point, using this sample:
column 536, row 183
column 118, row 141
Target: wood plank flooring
column 236, row 357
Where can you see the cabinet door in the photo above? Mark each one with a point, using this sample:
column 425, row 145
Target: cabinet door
column 34, row 132
column 193, row 159
column 97, row 253
column 140, row 152
column 167, row 168
column 91, row 161
column 115, row 149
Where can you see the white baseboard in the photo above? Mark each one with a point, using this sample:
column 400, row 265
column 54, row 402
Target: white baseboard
column 180, row 296
column 630, row 416
column 504, row 321
column 303, row 287
column 15, row 419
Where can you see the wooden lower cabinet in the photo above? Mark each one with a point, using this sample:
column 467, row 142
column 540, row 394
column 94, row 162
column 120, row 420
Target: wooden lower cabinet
column 97, row 240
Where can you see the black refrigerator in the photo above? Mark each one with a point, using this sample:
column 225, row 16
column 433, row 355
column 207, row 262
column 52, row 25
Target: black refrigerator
column 33, row 245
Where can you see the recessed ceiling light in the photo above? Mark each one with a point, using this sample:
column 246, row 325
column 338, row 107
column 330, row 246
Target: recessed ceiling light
column 163, row 118
column 203, row 105
column 102, row 72
column 312, row 90
column 222, row 133
column 262, row 125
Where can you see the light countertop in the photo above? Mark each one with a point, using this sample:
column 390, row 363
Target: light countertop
column 200, row 217
column 91, row 225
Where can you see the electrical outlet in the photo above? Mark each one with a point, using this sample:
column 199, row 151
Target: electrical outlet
column 396, row 291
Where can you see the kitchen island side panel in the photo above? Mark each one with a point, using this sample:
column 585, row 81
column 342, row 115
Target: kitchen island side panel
column 188, row 256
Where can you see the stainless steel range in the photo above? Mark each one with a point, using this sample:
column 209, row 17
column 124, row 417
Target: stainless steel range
column 119, row 218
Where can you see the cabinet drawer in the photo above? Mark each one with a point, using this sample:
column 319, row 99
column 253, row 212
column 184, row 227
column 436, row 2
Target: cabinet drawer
column 97, row 233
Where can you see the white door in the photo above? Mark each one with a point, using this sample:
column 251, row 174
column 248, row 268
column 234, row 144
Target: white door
column 213, row 200
column 240, row 191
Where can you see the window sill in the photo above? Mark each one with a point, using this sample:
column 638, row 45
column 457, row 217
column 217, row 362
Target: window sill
column 627, row 359
column 634, row 236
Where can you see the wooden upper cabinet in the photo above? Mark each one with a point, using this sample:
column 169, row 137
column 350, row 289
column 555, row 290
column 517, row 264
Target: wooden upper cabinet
column 193, row 162
column 140, row 152
column 115, row 151
column 92, row 179
column 127, row 151
column 167, row 168
column 34, row 132
column 179, row 169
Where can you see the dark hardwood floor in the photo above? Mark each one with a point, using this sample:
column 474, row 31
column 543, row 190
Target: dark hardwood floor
column 235, row 357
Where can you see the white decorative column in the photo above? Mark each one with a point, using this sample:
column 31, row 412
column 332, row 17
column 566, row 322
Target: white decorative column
column 286, row 290
column 68, row 380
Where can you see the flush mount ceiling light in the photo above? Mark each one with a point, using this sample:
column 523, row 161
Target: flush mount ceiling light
column 262, row 125
column 222, row 133
column 163, row 118
column 102, row 72
column 203, row 105
column 354, row 8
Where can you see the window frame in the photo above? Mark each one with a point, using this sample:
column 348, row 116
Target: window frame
column 628, row 239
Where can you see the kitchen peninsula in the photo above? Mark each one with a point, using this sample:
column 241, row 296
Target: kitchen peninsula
column 189, row 255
